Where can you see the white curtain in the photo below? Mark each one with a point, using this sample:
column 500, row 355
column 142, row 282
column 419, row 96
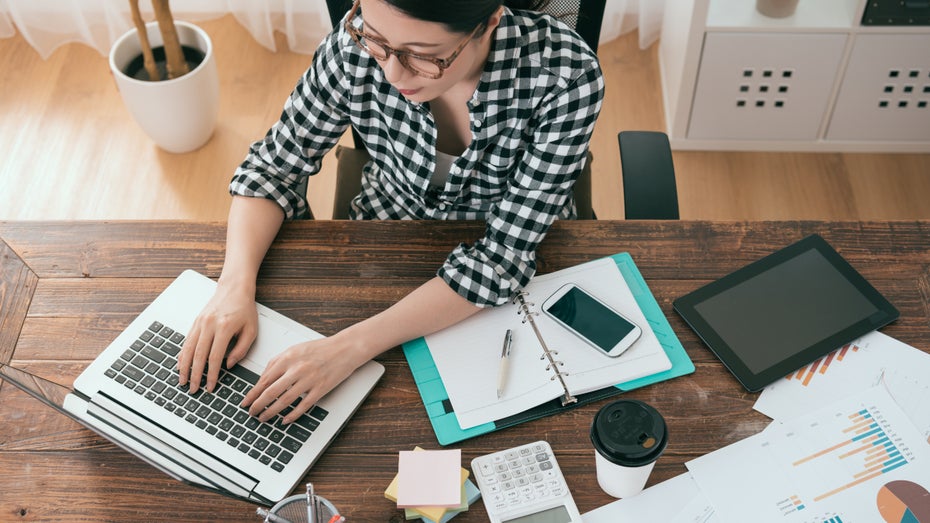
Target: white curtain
column 47, row 24
column 623, row 16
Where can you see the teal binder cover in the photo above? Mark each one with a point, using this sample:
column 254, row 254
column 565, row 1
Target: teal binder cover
column 439, row 408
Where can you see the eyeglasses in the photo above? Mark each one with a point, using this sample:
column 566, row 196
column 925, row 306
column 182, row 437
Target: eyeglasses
column 425, row 66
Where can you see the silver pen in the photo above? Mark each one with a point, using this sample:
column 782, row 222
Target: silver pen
column 505, row 359
column 311, row 504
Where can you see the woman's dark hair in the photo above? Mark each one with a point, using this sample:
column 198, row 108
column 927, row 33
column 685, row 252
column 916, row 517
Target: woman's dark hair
column 460, row 16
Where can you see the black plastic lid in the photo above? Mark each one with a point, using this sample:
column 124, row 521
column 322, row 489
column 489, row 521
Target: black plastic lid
column 629, row 433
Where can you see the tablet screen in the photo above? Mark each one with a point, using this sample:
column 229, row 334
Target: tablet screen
column 784, row 311
column 792, row 305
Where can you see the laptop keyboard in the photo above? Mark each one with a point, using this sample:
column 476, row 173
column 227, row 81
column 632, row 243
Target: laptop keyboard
column 149, row 368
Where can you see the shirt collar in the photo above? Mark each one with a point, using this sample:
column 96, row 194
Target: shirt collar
column 496, row 82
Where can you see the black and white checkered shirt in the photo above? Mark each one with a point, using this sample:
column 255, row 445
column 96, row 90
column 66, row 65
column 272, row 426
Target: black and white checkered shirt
column 532, row 116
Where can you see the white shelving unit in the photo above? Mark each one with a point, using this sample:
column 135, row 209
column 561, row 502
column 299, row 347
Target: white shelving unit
column 734, row 79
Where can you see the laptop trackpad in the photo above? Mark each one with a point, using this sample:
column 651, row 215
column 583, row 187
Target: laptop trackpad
column 276, row 333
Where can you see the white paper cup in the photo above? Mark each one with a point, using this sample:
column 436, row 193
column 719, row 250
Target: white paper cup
column 628, row 437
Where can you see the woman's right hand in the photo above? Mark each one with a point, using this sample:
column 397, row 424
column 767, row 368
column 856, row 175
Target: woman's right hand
column 229, row 316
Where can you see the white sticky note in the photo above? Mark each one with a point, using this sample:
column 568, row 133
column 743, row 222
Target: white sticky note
column 429, row 478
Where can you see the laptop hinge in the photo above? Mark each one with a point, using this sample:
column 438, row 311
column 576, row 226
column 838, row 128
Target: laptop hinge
column 171, row 447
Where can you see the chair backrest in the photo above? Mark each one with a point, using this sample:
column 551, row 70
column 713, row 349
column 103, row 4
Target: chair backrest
column 584, row 16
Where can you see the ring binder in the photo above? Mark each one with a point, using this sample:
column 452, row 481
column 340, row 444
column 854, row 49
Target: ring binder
column 524, row 308
column 439, row 387
column 462, row 352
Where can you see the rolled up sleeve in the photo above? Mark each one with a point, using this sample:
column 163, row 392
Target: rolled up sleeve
column 315, row 116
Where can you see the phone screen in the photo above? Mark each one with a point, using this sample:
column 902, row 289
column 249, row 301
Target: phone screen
column 591, row 319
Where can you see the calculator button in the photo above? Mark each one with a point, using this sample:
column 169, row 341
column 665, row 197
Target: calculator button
column 519, row 478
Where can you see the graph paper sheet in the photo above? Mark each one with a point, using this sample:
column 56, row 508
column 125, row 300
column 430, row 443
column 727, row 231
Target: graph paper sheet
column 857, row 459
column 676, row 500
column 874, row 359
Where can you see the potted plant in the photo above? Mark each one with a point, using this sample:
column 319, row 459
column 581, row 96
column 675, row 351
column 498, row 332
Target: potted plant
column 166, row 75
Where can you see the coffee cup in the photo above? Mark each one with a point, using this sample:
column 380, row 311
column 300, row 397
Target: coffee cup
column 628, row 437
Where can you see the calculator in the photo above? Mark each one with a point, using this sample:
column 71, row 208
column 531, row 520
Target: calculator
column 524, row 485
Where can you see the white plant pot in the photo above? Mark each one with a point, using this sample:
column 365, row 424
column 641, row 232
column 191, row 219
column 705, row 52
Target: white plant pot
column 180, row 114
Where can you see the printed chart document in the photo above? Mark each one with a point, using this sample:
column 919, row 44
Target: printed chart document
column 677, row 500
column 467, row 355
column 857, row 459
column 871, row 360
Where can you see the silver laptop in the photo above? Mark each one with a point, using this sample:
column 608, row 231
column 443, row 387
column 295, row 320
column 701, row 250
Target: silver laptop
column 130, row 395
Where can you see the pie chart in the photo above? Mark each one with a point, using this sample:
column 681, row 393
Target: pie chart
column 904, row 502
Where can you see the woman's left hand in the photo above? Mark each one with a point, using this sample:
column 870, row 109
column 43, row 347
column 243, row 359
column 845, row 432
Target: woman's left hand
column 311, row 368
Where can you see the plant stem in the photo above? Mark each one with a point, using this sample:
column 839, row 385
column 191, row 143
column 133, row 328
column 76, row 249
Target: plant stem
column 147, row 56
column 174, row 55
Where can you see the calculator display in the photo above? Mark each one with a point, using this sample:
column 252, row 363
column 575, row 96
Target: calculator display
column 553, row 515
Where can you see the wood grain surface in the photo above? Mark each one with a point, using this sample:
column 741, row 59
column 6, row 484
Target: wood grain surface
column 68, row 288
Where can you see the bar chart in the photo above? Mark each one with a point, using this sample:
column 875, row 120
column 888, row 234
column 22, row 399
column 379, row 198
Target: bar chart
column 828, row 466
column 874, row 359
column 820, row 367
column 868, row 447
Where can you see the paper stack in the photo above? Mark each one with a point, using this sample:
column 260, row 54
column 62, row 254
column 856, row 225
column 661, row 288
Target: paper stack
column 432, row 485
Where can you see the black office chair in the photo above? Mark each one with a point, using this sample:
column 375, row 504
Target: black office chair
column 649, row 189
column 648, row 175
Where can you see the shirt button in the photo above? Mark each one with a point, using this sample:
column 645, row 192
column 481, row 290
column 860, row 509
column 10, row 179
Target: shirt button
column 442, row 206
column 477, row 123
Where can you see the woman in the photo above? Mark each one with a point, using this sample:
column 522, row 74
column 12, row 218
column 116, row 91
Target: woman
column 470, row 110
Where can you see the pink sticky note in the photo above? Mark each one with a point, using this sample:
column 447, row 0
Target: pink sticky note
column 429, row 478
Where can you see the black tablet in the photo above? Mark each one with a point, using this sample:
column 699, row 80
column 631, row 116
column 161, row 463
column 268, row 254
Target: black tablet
column 784, row 311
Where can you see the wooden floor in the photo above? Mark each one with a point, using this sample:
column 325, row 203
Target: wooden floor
column 70, row 150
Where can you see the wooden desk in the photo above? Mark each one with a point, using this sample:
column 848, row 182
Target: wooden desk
column 69, row 288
